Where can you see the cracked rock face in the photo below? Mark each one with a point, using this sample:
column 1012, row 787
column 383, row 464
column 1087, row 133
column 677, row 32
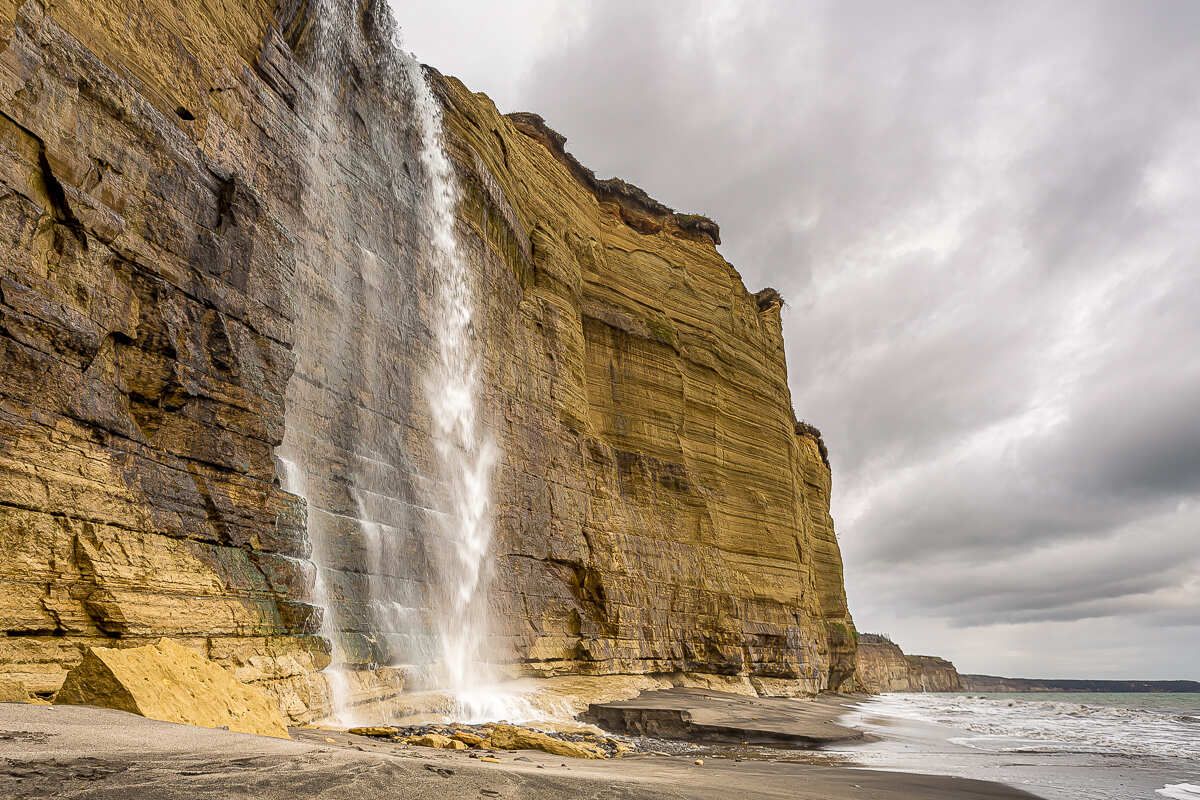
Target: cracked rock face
column 657, row 508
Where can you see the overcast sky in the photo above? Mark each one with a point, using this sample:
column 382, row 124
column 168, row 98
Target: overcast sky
column 985, row 220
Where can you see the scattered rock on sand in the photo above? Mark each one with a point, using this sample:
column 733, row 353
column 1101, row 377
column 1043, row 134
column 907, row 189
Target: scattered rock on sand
column 169, row 682
column 499, row 736
column 375, row 730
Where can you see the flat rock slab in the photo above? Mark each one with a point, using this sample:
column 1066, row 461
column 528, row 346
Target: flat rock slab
column 706, row 715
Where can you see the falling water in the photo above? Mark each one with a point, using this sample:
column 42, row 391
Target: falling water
column 465, row 450
column 401, row 546
column 339, row 689
column 334, row 367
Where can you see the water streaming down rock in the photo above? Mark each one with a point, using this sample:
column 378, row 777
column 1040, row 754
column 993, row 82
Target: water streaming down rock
column 466, row 450
column 653, row 513
column 400, row 540
column 345, row 446
column 339, row 690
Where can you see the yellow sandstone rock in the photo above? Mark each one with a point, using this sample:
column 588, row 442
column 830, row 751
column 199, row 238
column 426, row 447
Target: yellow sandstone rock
column 658, row 508
column 467, row 738
column 883, row 667
column 437, row 740
column 169, row 682
column 12, row 691
column 510, row 737
column 374, row 730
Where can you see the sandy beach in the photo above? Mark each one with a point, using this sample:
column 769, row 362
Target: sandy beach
column 49, row 751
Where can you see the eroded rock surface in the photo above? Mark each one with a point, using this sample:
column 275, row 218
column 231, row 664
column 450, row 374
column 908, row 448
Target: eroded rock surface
column 171, row 180
column 706, row 715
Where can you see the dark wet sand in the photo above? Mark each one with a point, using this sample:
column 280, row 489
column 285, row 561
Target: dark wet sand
column 75, row 751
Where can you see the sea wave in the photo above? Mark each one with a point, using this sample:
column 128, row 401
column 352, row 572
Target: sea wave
column 1019, row 725
column 1180, row 791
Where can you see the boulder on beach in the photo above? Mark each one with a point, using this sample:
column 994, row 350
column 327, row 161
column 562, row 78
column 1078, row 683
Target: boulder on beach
column 511, row 737
column 167, row 681
column 437, row 740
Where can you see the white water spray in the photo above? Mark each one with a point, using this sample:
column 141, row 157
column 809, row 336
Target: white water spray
column 465, row 450
column 402, row 561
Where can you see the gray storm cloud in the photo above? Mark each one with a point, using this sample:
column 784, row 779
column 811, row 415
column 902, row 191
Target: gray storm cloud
column 984, row 219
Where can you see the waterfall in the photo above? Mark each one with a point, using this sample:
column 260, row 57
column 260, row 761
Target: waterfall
column 334, row 369
column 466, row 452
column 401, row 527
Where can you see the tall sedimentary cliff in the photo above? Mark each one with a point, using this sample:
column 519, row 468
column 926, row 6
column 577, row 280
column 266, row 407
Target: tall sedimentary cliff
column 883, row 667
column 210, row 243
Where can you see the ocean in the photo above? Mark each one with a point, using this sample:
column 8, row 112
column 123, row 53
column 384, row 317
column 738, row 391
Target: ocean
column 1059, row 746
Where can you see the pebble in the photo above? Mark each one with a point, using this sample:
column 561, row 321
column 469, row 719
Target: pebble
column 489, row 759
column 699, row 762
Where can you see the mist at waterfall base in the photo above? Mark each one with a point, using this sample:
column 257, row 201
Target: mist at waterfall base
column 441, row 628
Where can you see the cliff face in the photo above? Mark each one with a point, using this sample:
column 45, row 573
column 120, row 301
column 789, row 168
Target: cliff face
column 206, row 222
column 883, row 667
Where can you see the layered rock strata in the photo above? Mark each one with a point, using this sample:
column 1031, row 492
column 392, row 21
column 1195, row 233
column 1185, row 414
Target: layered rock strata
column 187, row 197
column 883, row 667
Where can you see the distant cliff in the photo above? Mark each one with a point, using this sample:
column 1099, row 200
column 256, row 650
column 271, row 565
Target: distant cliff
column 196, row 199
column 992, row 683
column 884, row 667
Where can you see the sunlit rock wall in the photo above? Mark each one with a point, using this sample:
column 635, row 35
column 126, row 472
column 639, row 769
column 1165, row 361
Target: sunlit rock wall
column 147, row 184
column 883, row 667
column 660, row 509
column 169, row 177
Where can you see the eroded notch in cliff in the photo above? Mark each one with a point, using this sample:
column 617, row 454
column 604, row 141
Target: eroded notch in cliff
column 63, row 215
column 43, row 187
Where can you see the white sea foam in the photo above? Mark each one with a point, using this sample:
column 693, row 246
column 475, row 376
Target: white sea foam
column 1180, row 791
column 1019, row 725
